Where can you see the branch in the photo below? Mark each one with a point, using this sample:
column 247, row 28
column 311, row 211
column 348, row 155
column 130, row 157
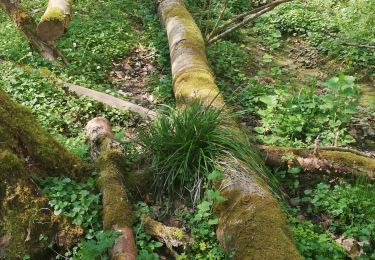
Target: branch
column 359, row 45
column 218, row 20
column 170, row 236
column 239, row 17
column 111, row 101
column 117, row 214
column 247, row 19
column 329, row 161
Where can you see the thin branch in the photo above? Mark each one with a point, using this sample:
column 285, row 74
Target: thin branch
column 238, row 26
column 218, row 19
column 239, row 17
column 247, row 19
column 359, row 45
column 209, row 16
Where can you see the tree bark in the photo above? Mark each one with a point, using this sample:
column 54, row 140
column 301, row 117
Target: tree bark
column 117, row 215
column 341, row 163
column 27, row 151
column 27, row 25
column 54, row 21
column 251, row 220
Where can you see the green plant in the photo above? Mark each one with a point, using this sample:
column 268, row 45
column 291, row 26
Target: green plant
column 299, row 118
column 79, row 201
column 145, row 244
column 182, row 145
column 185, row 144
column 97, row 247
column 351, row 208
column 203, row 223
column 314, row 243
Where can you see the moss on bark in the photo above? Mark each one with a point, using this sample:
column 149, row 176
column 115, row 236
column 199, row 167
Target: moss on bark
column 26, row 151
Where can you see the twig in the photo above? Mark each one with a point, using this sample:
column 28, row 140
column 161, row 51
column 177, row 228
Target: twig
column 245, row 14
column 218, row 19
column 359, row 45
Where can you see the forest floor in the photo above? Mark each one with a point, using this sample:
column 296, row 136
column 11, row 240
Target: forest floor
column 119, row 48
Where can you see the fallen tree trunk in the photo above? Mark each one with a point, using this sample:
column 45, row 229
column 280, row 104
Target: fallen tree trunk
column 54, row 21
column 27, row 25
column 328, row 161
column 251, row 220
column 117, row 215
column 27, row 151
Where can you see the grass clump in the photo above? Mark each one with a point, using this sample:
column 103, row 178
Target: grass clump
column 183, row 147
column 186, row 144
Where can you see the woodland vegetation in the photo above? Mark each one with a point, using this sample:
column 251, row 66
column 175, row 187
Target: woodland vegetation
column 187, row 129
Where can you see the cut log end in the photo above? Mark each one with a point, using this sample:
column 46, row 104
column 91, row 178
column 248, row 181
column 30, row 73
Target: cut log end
column 50, row 30
column 54, row 21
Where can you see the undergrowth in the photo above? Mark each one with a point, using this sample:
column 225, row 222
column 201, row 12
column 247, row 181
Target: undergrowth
column 82, row 204
column 185, row 145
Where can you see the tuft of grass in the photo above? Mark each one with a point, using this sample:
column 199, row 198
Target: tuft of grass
column 186, row 146
column 181, row 143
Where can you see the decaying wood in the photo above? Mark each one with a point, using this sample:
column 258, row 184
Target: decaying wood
column 109, row 156
column 27, row 25
column 170, row 236
column 251, row 220
column 111, row 101
column 328, row 161
column 54, row 21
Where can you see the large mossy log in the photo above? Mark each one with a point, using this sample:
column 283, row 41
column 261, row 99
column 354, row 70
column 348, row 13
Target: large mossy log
column 55, row 19
column 110, row 160
column 27, row 25
column 251, row 220
column 340, row 163
column 28, row 151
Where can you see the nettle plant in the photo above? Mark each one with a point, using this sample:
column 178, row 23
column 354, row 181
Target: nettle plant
column 298, row 118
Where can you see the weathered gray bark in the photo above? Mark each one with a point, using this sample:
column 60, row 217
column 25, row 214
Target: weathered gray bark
column 251, row 220
column 54, row 21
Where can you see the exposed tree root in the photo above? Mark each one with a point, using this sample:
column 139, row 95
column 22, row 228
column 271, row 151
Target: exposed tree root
column 109, row 156
column 327, row 161
column 27, row 25
column 251, row 221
